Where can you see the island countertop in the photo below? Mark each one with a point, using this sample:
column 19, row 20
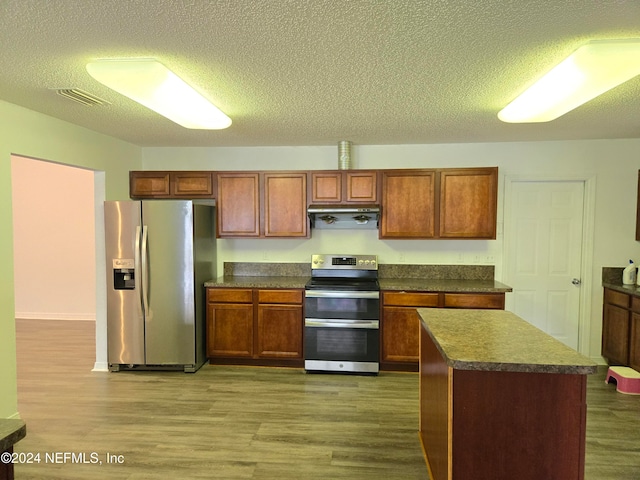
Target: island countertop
column 11, row 431
column 498, row 340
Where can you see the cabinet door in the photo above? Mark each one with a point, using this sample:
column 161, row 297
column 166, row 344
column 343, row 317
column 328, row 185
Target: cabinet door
column 408, row 204
column 361, row 187
column 229, row 330
column 468, row 203
column 280, row 331
column 615, row 334
column 326, row 187
column 400, row 334
column 238, row 208
column 149, row 184
column 285, row 205
column 192, row 184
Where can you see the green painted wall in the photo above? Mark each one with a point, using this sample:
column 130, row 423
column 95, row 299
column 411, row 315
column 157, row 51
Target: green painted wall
column 31, row 134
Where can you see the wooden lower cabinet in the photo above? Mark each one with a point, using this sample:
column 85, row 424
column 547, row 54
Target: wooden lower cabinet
column 230, row 323
column 255, row 326
column 230, row 330
column 400, row 330
column 279, row 331
column 621, row 329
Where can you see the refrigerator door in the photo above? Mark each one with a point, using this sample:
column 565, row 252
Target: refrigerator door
column 168, row 260
column 125, row 317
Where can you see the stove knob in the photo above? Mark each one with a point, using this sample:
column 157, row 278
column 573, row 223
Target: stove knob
column 360, row 262
column 367, row 262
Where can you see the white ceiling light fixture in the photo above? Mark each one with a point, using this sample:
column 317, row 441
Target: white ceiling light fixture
column 153, row 85
column 588, row 72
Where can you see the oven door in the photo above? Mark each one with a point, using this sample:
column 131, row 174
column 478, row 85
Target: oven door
column 341, row 345
column 345, row 305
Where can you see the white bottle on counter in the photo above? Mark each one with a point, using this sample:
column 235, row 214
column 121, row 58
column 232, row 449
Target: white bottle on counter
column 629, row 274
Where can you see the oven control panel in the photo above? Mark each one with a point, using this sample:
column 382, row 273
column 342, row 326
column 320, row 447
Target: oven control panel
column 344, row 262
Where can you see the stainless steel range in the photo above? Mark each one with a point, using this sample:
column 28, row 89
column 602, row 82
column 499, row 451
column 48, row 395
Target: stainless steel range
column 342, row 314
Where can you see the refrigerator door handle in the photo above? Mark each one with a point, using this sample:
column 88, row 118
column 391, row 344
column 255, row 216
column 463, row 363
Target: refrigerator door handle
column 137, row 266
column 145, row 271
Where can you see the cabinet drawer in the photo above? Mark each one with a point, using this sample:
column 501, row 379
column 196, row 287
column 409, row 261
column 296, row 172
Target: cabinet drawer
column 404, row 299
column 280, row 296
column 232, row 295
column 466, row 300
column 617, row 298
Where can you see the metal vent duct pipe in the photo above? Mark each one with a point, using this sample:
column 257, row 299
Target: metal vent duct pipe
column 344, row 155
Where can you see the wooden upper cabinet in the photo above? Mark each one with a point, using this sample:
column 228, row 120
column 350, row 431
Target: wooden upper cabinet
column 408, row 204
column 468, row 203
column 344, row 186
column 178, row 184
column 238, row 204
column 144, row 184
column 361, row 186
column 255, row 204
column 192, row 184
column 285, row 204
column 326, row 187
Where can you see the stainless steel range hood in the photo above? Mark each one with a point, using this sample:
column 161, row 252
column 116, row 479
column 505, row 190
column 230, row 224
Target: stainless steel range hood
column 344, row 216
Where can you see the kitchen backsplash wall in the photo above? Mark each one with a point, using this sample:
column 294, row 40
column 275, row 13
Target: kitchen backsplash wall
column 436, row 272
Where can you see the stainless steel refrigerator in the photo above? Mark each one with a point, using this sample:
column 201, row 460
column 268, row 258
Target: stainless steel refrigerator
column 159, row 254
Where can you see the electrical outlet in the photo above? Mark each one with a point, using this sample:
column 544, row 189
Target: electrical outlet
column 265, row 255
column 460, row 258
column 402, row 258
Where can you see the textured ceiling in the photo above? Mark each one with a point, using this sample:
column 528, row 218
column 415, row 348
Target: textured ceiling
column 313, row 72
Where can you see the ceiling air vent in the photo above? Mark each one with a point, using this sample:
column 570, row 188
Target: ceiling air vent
column 82, row 97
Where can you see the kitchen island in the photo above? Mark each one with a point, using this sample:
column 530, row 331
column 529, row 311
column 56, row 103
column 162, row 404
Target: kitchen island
column 11, row 432
column 499, row 399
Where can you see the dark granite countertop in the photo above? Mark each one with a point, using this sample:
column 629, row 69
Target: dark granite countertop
column 443, row 285
column 612, row 278
column 233, row 281
column 11, row 432
column 619, row 287
column 498, row 340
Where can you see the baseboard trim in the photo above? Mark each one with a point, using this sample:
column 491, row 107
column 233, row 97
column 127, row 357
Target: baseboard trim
column 55, row 316
column 100, row 367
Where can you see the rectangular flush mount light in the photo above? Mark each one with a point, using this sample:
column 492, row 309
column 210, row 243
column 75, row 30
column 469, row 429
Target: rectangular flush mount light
column 153, row 85
column 588, row 72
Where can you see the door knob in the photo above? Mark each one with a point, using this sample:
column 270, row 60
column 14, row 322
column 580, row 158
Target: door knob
column 576, row 281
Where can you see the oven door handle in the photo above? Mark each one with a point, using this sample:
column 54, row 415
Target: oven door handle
column 334, row 323
column 339, row 294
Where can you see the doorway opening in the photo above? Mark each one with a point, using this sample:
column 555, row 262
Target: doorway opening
column 57, row 226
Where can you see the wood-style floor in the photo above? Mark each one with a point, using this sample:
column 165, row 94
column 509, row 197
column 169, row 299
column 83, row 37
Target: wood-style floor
column 242, row 422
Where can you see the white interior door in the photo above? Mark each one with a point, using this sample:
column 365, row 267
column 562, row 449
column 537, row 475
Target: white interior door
column 543, row 231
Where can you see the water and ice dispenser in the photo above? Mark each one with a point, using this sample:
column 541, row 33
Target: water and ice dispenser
column 124, row 274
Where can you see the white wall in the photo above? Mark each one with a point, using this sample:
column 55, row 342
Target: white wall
column 54, row 232
column 613, row 164
column 27, row 133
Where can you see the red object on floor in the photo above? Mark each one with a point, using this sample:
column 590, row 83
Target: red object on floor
column 627, row 379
